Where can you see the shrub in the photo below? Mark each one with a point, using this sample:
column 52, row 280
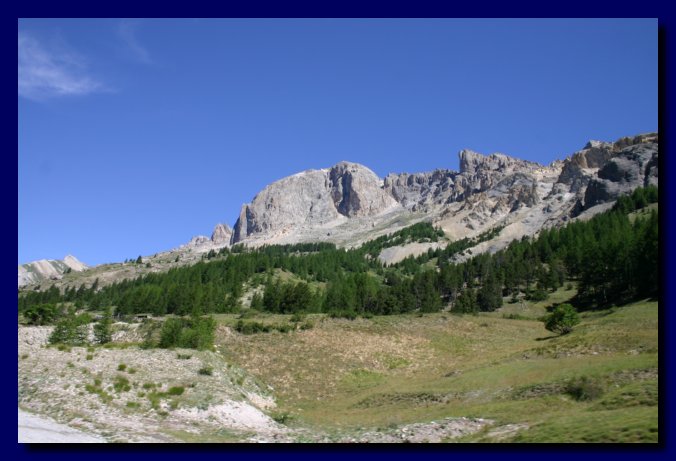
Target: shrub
column 297, row 317
column 176, row 390
column 282, row 417
column 121, row 367
column 584, row 388
column 538, row 295
column 207, row 371
column 193, row 333
column 41, row 314
column 183, row 356
column 121, row 384
column 71, row 330
column 350, row 315
column 562, row 319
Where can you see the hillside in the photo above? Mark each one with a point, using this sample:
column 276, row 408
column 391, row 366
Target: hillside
column 348, row 205
column 48, row 269
column 410, row 336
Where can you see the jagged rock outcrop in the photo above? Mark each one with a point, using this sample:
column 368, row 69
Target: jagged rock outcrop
column 222, row 234
column 478, row 173
column 348, row 204
column 634, row 166
column 314, row 198
column 48, row 269
column 343, row 202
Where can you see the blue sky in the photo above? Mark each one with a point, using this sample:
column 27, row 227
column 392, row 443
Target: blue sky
column 135, row 135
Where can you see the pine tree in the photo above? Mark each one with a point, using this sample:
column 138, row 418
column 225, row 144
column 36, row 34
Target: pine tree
column 103, row 332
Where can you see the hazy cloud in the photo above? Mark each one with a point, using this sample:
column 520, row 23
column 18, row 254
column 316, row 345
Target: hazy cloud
column 127, row 32
column 45, row 73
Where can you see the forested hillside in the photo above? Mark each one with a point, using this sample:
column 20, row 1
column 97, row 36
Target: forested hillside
column 613, row 256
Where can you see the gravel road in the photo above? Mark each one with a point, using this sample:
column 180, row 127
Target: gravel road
column 37, row 429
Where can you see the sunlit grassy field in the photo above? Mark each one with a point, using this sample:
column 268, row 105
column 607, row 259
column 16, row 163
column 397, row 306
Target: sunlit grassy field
column 390, row 370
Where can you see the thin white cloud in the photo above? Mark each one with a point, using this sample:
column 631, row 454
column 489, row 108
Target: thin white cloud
column 126, row 30
column 47, row 73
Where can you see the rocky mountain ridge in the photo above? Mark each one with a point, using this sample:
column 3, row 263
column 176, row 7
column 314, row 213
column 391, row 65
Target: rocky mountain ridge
column 349, row 204
column 48, row 269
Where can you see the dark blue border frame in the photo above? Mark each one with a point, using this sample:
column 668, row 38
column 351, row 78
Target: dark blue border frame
column 529, row 8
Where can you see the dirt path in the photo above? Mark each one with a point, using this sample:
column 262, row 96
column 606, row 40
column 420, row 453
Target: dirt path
column 37, row 429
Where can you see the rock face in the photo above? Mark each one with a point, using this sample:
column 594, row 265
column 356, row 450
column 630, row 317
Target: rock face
column 634, row 166
column 348, row 203
column 48, row 269
column 222, row 234
column 478, row 173
column 314, row 198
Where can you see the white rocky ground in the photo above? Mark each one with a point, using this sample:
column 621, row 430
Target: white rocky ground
column 62, row 384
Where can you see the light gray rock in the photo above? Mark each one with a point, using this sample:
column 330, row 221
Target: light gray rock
column 314, row 198
column 222, row 234
column 48, row 269
column 634, row 166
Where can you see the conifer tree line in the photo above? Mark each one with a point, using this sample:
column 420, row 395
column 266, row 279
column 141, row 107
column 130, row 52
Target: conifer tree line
column 612, row 256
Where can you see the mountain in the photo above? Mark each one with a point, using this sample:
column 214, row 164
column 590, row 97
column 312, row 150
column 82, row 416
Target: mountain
column 348, row 204
column 48, row 269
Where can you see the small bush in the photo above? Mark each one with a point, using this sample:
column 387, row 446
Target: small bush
column 149, row 385
column 248, row 313
column 297, row 317
column 190, row 333
column 206, row 371
column 562, row 319
column 121, row 367
column 183, row 356
column 176, row 390
column 250, row 328
column 71, row 330
column 282, row 417
column 89, row 356
column 538, row 295
column 584, row 388
column 121, row 384
column 133, row 404
column 350, row 315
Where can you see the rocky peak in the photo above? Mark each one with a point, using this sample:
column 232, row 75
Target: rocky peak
column 198, row 240
column 72, row 262
column 222, row 234
column 356, row 190
column 48, row 269
column 313, row 198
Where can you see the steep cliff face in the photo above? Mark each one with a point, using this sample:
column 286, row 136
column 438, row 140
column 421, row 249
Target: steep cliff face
column 497, row 174
column 348, row 203
column 314, row 198
column 222, row 234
